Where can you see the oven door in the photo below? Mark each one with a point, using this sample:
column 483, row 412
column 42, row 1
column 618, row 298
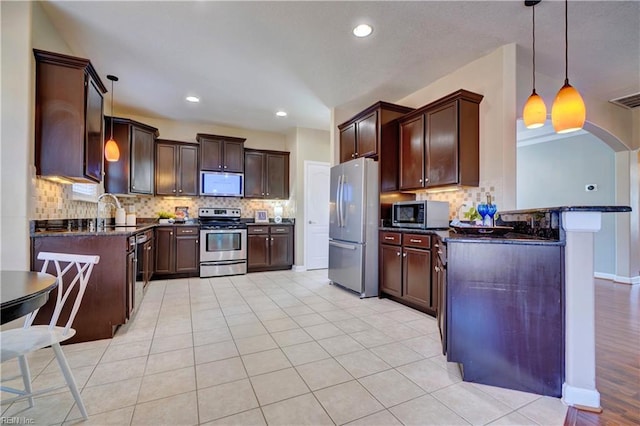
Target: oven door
column 223, row 244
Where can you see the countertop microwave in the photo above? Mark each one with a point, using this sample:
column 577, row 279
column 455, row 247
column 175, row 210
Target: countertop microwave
column 221, row 184
column 420, row 214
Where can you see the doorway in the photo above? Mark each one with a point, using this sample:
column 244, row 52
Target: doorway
column 316, row 214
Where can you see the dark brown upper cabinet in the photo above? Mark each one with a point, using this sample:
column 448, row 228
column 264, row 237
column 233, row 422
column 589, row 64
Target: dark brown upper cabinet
column 440, row 143
column 266, row 174
column 221, row 153
column 374, row 133
column 134, row 172
column 176, row 168
column 69, row 118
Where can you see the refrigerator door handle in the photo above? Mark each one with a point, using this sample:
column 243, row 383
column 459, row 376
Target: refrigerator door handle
column 344, row 246
column 339, row 198
column 343, row 220
column 338, row 201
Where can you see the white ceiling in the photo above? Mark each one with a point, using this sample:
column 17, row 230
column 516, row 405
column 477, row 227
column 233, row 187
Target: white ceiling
column 246, row 60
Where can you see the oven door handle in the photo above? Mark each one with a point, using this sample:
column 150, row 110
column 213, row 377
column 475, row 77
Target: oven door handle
column 223, row 262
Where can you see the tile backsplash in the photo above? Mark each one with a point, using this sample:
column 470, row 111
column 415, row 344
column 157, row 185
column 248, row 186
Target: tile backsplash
column 54, row 201
column 469, row 196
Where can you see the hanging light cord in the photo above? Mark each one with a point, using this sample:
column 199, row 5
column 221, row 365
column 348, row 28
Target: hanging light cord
column 566, row 41
column 111, row 109
column 534, row 48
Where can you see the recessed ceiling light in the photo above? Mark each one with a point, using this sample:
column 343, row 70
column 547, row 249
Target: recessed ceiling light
column 362, row 30
column 281, row 114
column 193, row 99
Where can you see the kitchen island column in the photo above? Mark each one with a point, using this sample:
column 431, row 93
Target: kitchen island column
column 579, row 387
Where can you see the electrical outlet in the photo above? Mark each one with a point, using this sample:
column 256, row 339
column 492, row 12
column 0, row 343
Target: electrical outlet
column 590, row 187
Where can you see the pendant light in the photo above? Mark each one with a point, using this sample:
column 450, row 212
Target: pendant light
column 111, row 150
column 534, row 113
column 568, row 112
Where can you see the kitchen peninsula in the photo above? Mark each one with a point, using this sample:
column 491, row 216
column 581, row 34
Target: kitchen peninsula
column 514, row 310
column 520, row 308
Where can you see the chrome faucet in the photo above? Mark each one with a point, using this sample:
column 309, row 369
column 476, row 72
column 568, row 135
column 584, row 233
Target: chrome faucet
column 100, row 225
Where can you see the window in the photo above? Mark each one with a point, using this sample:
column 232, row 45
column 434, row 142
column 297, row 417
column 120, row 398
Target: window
column 84, row 192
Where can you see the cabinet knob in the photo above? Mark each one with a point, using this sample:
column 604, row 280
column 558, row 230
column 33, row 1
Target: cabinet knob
column 267, row 193
column 437, row 245
column 404, row 254
column 133, row 187
column 219, row 166
column 437, row 269
column 353, row 156
column 420, row 181
column 225, row 167
column 196, row 241
column 398, row 254
column 180, row 190
column 263, row 193
column 439, row 251
column 426, row 179
column 170, row 233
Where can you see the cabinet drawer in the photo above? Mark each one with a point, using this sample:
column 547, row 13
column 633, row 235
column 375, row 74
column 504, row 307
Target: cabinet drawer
column 280, row 229
column 416, row 240
column 258, row 230
column 387, row 237
column 186, row 230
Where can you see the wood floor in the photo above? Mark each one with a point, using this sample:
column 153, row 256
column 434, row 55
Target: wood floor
column 617, row 357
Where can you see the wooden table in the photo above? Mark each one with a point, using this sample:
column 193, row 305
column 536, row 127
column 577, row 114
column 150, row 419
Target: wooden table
column 23, row 292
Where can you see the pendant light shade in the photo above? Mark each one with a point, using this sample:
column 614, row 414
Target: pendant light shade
column 534, row 113
column 568, row 112
column 111, row 150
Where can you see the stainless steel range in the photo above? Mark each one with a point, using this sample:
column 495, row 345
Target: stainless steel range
column 223, row 242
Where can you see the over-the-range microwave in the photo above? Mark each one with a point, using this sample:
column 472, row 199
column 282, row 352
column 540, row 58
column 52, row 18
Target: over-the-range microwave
column 420, row 214
column 221, row 184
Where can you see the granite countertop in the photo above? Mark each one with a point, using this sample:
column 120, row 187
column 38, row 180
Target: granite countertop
column 603, row 209
column 449, row 235
column 271, row 222
column 110, row 230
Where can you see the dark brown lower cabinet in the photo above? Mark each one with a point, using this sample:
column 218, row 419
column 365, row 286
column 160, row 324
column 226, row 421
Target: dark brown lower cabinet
column 439, row 261
column 106, row 302
column 269, row 247
column 177, row 250
column 405, row 269
column 505, row 314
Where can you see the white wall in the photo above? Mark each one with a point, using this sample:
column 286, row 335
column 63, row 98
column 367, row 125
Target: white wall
column 24, row 26
column 543, row 181
column 304, row 144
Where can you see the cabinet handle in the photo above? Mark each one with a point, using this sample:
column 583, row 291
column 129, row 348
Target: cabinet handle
column 196, row 241
column 389, row 238
column 437, row 269
column 439, row 251
column 437, row 245
column 187, row 231
column 258, row 230
column 415, row 241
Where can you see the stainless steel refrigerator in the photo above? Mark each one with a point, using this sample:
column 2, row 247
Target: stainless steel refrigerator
column 353, row 226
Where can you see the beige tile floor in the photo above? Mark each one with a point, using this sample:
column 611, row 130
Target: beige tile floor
column 272, row 348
